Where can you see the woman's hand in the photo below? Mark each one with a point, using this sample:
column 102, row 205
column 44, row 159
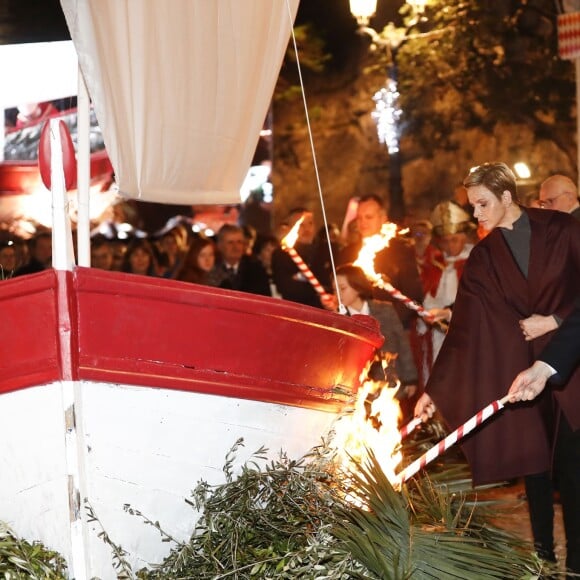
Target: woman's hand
column 537, row 325
column 425, row 407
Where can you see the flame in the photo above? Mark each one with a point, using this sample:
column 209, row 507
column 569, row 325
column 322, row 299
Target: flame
column 291, row 237
column 373, row 425
column 371, row 246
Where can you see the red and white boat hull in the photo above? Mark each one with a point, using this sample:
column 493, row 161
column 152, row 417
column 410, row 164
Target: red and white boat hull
column 120, row 389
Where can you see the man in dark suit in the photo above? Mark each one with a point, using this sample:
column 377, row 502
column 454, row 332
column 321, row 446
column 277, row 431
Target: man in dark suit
column 235, row 269
column 396, row 263
column 288, row 279
column 555, row 363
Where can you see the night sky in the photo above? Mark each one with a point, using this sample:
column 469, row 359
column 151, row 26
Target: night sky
column 31, row 21
column 43, row 21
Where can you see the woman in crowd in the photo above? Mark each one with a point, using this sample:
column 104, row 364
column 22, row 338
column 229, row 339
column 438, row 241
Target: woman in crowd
column 263, row 250
column 519, row 282
column 356, row 294
column 140, row 258
column 170, row 253
column 199, row 262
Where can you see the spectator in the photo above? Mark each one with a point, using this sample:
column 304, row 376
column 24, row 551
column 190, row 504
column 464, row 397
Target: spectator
column 250, row 236
column 119, row 250
column 235, row 269
column 263, row 250
column 426, row 253
column 101, row 253
column 290, row 282
column 40, row 250
column 139, row 258
column 441, row 278
column 171, row 253
column 396, row 263
column 7, row 260
column 198, row 264
column 356, row 294
column 560, row 193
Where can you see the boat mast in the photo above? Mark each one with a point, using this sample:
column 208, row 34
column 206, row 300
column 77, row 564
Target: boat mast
column 83, row 174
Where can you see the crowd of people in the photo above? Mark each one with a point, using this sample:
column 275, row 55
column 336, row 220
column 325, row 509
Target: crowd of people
column 497, row 279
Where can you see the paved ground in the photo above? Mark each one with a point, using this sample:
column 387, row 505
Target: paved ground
column 516, row 518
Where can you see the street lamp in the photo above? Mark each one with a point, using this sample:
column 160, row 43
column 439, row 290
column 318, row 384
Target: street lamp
column 522, row 170
column 387, row 112
column 363, row 10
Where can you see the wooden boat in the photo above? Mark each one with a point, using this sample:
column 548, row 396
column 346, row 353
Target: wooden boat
column 120, row 389
column 166, row 377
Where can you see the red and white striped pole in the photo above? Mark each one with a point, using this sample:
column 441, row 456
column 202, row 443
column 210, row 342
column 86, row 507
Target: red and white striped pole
column 409, row 427
column 287, row 244
column 451, row 439
column 408, row 302
column 307, row 272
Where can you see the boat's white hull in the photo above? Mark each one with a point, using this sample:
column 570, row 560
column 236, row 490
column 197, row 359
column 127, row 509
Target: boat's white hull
column 146, row 447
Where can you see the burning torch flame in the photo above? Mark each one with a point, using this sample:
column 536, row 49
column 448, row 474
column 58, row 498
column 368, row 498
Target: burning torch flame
column 290, row 239
column 371, row 246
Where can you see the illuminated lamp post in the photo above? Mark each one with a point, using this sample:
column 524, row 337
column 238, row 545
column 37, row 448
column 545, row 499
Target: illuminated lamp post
column 526, row 182
column 387, row 112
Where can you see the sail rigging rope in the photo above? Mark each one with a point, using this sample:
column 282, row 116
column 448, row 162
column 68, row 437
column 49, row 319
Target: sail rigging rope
column 341, row 307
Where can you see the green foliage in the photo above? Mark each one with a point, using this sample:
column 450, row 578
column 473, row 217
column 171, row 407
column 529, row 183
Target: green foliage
column 472, row 63
column 270, row 522
column 311, row 49
column 121, row 566
column 311, row 519
column 20, row 560
column 312, row 56
column 427, row 533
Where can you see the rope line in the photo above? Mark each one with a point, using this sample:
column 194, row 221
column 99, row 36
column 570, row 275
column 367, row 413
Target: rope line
column 341, row 307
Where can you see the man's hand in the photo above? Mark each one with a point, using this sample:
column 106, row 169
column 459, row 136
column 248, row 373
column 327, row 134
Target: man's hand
column 530, row 383
column 329, row 302
column 425, row 407
column 537, row 325
column 439, row 314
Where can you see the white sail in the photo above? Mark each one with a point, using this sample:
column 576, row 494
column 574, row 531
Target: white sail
column 181, row 89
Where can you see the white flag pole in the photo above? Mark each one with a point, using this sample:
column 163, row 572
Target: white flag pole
column 83, row 174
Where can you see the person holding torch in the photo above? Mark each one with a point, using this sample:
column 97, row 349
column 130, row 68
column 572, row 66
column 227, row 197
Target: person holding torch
column 312, row 255
column 518, row 283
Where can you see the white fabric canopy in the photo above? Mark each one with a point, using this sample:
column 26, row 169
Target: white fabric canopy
column 181, row 89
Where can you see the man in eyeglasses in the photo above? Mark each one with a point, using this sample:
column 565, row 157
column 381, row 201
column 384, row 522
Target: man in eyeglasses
column 559, row 193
